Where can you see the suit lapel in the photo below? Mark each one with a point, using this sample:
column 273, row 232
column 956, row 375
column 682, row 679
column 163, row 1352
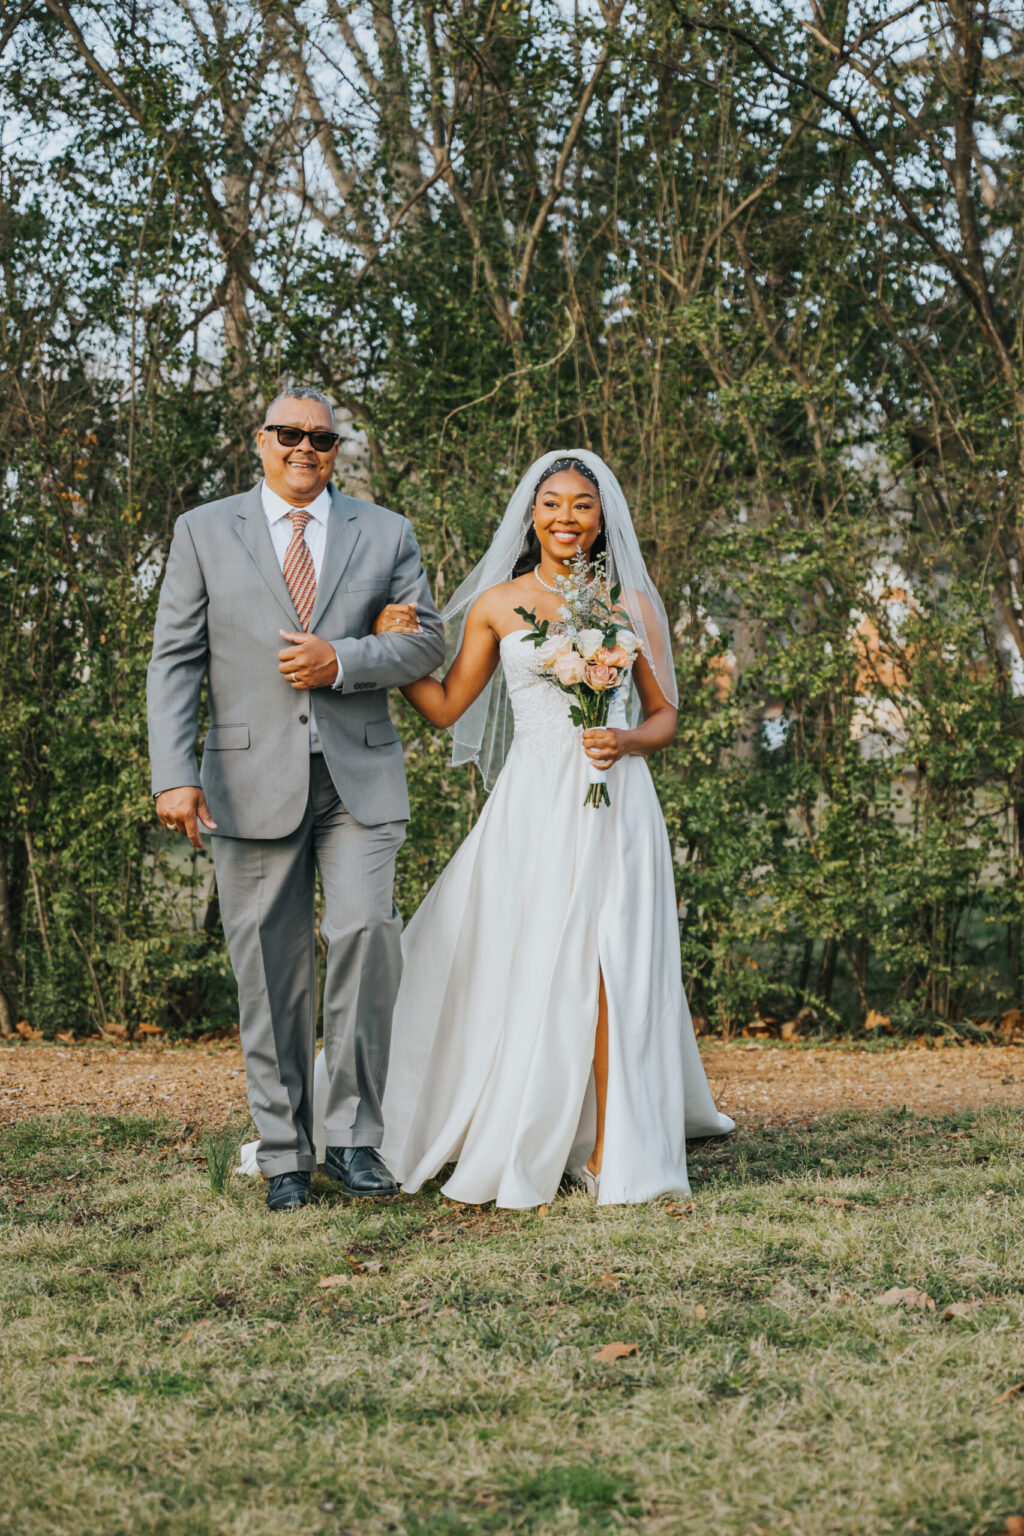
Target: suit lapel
column 342, row 533
column 251, row 527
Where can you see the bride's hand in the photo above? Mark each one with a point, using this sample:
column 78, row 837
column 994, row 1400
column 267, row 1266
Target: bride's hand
column 398, row 619
column 604, row 746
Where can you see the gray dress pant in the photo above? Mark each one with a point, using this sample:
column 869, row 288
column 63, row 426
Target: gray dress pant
column 267, row 893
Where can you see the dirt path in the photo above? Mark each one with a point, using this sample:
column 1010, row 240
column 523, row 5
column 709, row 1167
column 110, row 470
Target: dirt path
column 755, row 1083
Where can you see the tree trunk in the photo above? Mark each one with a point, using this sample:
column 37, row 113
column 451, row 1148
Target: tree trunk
column 827, row 970
column 8, row 1009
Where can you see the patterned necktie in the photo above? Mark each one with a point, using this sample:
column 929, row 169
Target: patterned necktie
column 299, row 575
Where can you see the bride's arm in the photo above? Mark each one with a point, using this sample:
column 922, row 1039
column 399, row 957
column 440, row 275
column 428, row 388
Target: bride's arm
column 604, row 745
column 443, row 702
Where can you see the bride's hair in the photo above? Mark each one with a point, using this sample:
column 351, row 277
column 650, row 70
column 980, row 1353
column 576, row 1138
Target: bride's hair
column 530, row 557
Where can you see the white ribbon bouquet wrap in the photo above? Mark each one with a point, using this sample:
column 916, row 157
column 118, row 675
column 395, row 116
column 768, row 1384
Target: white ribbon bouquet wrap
column 483, row 734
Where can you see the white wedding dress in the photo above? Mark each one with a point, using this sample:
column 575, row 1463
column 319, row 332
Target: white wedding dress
column 493, row 1037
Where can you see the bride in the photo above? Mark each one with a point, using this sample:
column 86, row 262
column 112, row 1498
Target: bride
column 541, row 1026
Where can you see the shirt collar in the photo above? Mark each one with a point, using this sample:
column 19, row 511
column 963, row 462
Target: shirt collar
column 276, row 507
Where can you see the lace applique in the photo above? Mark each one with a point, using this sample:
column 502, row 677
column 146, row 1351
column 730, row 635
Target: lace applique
column 539, row 709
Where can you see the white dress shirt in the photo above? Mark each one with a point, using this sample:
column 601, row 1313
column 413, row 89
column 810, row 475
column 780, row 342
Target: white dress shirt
column 277, row 510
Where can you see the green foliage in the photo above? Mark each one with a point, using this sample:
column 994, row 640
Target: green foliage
column 220, row 1145
column 751, row 283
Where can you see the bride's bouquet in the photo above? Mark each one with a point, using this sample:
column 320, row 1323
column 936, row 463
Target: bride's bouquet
column 588, row 653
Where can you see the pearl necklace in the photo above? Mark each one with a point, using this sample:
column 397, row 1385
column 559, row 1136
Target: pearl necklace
column 544, row 584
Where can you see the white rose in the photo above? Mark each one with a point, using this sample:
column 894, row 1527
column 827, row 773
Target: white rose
column 589, row 642
column 629, row 642
column 549, row 652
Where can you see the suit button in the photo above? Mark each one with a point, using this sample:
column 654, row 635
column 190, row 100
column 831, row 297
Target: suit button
column 303, row 719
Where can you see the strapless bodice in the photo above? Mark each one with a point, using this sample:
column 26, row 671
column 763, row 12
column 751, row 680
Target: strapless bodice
column 539, row 707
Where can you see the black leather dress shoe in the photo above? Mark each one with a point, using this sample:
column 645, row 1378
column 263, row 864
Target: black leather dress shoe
column 360, row 1171
column 288, row 1191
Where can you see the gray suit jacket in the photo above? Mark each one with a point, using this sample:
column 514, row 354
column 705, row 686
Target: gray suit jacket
column 222, row 603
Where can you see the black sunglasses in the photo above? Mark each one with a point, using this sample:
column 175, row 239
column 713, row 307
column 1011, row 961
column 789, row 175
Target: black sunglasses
column 291, row 437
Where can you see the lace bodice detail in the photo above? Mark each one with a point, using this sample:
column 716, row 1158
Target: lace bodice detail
column 539, row 708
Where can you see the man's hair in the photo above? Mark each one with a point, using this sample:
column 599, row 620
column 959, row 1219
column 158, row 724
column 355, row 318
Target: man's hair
column 300, row 392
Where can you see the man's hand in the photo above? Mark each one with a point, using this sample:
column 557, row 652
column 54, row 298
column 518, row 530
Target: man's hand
column 181, row 809
column 307, row 661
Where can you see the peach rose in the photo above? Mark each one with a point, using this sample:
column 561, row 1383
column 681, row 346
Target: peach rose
column 613, row 656
column 589, row 642
column 601, row 677
column 558, row 645
column 569, row 668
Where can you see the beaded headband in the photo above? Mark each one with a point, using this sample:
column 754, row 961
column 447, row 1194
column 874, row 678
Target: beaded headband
column 568, row 463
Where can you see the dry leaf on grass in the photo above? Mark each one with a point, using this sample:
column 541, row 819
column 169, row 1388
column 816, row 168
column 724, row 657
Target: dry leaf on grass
column 700, row 1311
column 328, row 1282
column 610, row 1282
column 909, row 1297
column 1011, row 1392
column 675, row 1209
column 616, row 1351
column 960, row 1309
column 75, row 1360
column 365, row 1267
column 1014, row 1526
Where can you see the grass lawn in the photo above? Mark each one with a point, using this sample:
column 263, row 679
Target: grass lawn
column 172, row 1363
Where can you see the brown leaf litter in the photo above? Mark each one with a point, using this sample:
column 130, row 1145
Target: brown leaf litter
column 757, row 1082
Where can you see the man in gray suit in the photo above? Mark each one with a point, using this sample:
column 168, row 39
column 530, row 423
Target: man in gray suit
column 302, row 770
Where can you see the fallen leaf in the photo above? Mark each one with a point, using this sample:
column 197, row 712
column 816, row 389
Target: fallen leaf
column 616, row 1351
column 960, row 1309
column 200, row 1329
column 328, row 1282
column 1014, row 1526
column 1004, row 1397
column 700, row 1311
column 369, row 1267
column 757, row 1029
column 542, row 1210
column 909, row 1297
column 1011, row 1025
column 675, row 1209
column 76, row 1360
column 610, row 1282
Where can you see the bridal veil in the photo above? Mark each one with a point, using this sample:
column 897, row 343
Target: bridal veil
column 484, row 733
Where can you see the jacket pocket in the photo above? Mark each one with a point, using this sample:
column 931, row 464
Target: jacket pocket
column 227, row 738
column 380, row 733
